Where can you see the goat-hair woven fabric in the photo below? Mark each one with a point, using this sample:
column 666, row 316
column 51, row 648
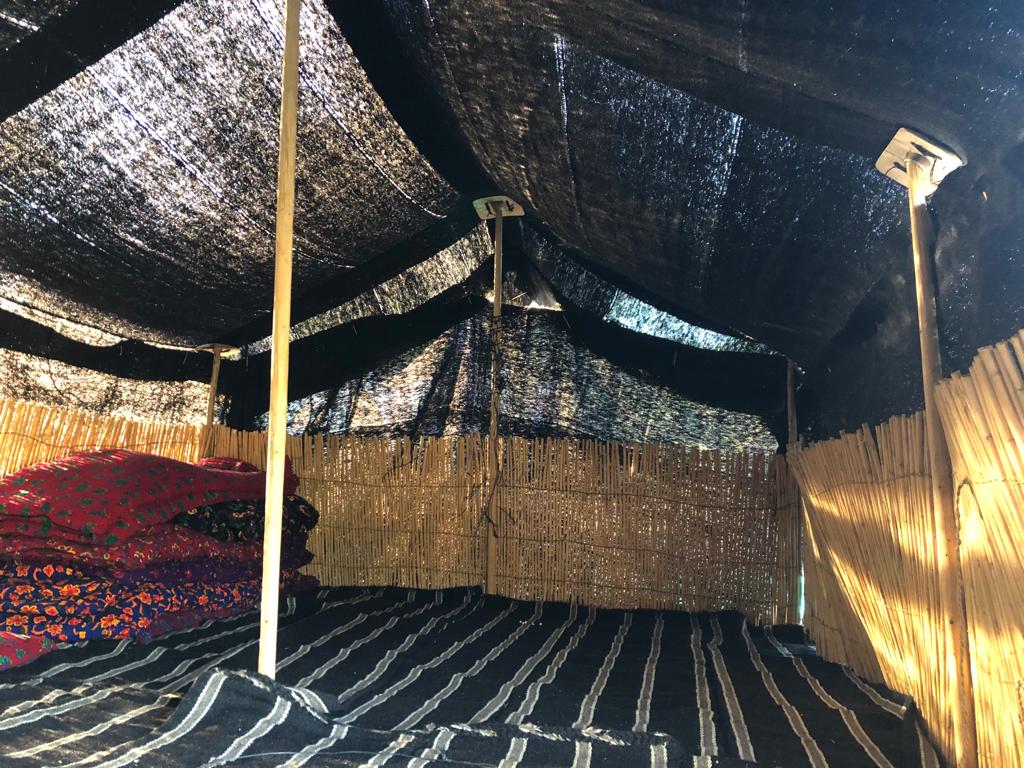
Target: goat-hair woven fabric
column 454, row 677
column 105, row 496
column 226, row 714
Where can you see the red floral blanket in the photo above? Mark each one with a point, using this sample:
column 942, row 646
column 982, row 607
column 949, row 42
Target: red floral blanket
column 103, row 497
column 69, row 608
column 87, row 552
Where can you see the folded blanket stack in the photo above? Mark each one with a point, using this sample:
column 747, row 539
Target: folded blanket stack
column 117, row 544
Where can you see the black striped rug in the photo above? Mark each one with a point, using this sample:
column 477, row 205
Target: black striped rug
column 416, row 678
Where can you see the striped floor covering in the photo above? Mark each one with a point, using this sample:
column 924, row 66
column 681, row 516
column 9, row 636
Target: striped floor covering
column 417, row 678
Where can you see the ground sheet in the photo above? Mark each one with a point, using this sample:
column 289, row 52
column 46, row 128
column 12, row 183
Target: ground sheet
column 416, row 678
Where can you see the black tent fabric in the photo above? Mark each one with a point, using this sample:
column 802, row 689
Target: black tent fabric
column 709, row 212
column 746, row 200
column 552, row 383
column 444, row 245
column 45, row 42
column 146, row 183
column 21, row 18
column 708, row 160
column 575, row 285
column 453, row 266
column 62, row 385
column 843, row 74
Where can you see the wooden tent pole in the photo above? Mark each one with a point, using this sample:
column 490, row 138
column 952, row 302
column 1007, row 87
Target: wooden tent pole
column 218, row 351
column 492, row 456
column 276, row 431
column 211, row 402
column 948, row 546
column 791, row 435
column 497, row 207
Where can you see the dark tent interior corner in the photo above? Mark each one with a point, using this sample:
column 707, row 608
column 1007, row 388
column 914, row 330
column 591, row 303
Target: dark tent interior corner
column 512, row 383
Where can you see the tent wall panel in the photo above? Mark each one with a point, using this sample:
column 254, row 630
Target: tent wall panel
column 46, row 380
column 871, row 575
column 393, row 511
column 871, row 565
column 609, row 525
column 983, row 418
column 648, row 526
column 605, row 524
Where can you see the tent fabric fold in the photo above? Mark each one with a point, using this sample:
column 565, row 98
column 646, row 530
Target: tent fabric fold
column 552, row 383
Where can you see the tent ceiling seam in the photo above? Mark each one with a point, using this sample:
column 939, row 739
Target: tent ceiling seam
column 737, row 124
column 14, row 21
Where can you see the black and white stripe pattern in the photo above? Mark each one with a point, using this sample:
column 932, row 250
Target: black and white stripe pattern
column 422, row 678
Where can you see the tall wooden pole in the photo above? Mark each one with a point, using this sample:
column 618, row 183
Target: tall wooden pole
column 948, row 546
column 791, row 434
column 493, row 463
column 276, row 437
column 211, row 402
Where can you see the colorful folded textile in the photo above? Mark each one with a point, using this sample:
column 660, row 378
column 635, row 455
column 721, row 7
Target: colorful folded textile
column 87, row 550
column 17, row 649
column 213, row 569
column 104, row 497
column 157, row 544
column 203, row 569
column 243, row 520
column 69, row 610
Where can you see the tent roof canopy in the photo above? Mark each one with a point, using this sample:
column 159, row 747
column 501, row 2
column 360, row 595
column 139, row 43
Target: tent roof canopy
column 701, row 172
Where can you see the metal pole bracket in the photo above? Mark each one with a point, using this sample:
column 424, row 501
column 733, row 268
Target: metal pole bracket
column 489, row 207
column 906, row 143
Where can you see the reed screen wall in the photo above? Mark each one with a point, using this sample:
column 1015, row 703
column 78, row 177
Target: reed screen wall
column 393, row 511
column 871, row 577
column 870, row 568
column 609, row 525
column 605, row 524
column 983, row 418
column 648, row 526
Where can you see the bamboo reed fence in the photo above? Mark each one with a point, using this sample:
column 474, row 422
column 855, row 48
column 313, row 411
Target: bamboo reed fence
column 31, row 433
column 393, row 511
column 870, row 566
column 648, row 526
column 983, row 419
column 605, row 524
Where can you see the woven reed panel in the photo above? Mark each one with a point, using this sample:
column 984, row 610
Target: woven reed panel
column 647, row 526
column 600, row 523
column 870, row 568
column 983, row 418
column 31, row 433
column 393, row 511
